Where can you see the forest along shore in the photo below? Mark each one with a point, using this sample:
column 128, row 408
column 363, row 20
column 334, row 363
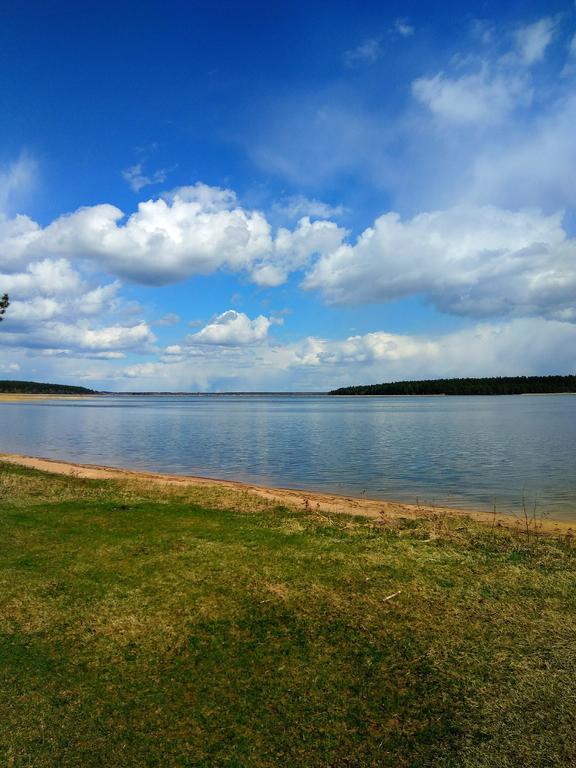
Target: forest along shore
column 497, row 385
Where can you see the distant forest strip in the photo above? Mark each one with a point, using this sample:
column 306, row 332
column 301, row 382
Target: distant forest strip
column 35, row 388
column 500, row 385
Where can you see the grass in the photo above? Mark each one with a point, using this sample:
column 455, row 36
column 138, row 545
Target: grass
column 143, row 625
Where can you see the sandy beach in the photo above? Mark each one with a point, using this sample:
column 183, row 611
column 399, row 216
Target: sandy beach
column 322, row 502
column 9, row 397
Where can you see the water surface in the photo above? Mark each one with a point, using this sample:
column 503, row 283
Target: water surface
column 463, row 451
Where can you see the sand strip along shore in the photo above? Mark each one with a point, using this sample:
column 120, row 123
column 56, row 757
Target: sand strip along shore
column 321, row 502
column 17, row 397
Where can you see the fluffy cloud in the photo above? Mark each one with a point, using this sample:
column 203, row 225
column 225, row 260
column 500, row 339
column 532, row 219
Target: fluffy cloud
column 476, row 261
column 196, row 230
column 17, row 236
column 359, row 350
column 232, row 328
column 53, row 288
column 52, row 277
column 521, row 346
column 141, row 370
column 161, row 242
column 528, row 345
column 293, row 249
column 56, row 312
column 81, row 337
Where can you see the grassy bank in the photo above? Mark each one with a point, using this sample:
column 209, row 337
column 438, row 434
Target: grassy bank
column 143, row 625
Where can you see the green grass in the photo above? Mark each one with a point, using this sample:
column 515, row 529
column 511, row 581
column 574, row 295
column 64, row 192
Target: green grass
column 150, row 626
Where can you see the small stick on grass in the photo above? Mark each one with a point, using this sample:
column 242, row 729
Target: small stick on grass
column 494, row 514
column 392, row 595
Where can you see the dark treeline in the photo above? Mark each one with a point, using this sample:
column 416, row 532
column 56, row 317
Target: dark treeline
column 35, row 388
column 500, row 385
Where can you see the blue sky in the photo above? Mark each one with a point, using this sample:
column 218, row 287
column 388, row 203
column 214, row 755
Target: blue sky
column 285, row 195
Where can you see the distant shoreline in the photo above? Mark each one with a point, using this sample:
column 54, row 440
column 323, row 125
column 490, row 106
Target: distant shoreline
column 23, row 397
column 467, row 386
column 17, row 397
column 457, row 387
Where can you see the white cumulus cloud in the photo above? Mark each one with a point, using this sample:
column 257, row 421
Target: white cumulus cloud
column 53, row 288
column 475, row 261
column 51, row 277
column 231, row 328
column 521, row 346
column 55, row 311
column 80, row 337
column 196, row 230
column 293, row 249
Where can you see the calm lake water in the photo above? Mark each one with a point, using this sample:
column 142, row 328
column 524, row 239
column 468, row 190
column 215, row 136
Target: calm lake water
column 463, row 451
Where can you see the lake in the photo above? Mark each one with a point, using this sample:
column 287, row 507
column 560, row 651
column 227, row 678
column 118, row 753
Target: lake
column 469, row 452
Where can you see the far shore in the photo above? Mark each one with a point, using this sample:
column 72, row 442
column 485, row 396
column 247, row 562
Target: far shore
column 320, row 502
column 13, row 397
column 23, row 397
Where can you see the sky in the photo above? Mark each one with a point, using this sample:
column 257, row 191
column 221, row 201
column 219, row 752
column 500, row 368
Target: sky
column 286, row 195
